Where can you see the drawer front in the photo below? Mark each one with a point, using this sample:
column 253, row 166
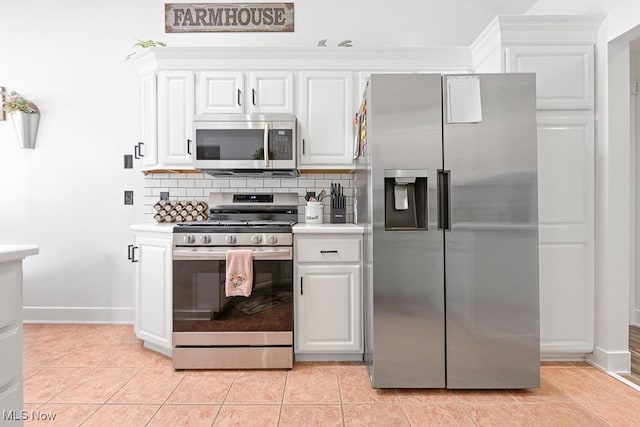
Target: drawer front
column 338, row 249
column 11, row 357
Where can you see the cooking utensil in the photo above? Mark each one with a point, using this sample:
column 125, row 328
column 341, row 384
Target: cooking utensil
column 321, row 195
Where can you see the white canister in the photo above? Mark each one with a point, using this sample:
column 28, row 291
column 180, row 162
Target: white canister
column 313, row 213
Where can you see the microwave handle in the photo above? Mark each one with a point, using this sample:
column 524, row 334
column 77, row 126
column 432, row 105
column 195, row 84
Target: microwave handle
column 266, row 145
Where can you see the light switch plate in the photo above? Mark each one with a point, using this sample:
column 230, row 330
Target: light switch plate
column 128, row 197
column 128, row 161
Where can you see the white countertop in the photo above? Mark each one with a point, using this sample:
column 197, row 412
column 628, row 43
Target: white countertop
column 165, row 227
column 327, row 228
column 15, row 252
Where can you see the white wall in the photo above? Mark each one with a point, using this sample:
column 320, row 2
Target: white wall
column 68, row 56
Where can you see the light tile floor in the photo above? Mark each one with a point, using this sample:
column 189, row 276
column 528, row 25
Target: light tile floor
column 101, row 376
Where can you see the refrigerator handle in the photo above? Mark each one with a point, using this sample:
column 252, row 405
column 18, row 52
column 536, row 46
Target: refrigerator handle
column 444, row 200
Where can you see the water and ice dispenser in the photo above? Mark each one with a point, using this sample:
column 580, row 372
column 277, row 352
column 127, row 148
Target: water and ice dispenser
column 405, row 199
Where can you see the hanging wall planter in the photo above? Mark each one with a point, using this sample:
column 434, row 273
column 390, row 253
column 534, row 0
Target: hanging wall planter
column 26, row 125
column 25, row 117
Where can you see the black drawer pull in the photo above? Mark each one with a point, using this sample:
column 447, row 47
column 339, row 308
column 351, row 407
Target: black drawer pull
column 328, row 252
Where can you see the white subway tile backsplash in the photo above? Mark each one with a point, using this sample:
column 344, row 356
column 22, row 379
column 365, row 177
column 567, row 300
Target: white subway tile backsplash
column 189, row 186
column 220, row 183
column 156, row 191
column 195, row 192
column 271, row 183
column 203, row 183
column 306, row 182
column 255, row 183
column 332, row 176
column 288, row 182
column 169, row 182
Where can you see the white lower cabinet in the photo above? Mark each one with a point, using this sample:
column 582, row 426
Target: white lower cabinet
column 153, row 289
column 328, row 298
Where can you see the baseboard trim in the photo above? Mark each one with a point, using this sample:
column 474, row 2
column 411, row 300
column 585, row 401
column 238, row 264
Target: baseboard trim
column 563, row 357
column 104, row 315
column 611, row 361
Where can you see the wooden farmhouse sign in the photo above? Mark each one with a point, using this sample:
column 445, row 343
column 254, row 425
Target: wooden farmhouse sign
column 228, row 17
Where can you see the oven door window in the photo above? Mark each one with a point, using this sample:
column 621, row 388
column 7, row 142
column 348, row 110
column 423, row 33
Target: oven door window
column 230, row 144
column 200, row 304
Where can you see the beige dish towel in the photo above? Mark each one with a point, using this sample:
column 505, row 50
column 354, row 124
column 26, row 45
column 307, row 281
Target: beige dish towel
column 239, row 272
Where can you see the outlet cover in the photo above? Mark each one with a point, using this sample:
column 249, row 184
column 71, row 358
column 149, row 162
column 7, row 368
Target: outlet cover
column 128, row 161
column 164, row 195
column 128, row 197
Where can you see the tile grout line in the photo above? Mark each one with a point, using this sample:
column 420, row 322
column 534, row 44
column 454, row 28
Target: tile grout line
column 114, row 393
column 91, row 368
column 224, row 400
column 165, row 400
column 340, row 396
column 284, row 390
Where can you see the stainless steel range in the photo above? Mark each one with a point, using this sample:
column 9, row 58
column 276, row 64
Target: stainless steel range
column 212, row 331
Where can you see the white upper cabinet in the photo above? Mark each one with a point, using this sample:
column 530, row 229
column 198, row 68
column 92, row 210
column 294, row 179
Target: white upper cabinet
column 325, row 119
column 237, row 92
column 148, row 121
column 219, row 92
column 175, row 119
column 271, row 92
column 564, row 74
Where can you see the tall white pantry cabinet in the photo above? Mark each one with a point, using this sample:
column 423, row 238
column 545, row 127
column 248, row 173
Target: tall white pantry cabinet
column 560, row 50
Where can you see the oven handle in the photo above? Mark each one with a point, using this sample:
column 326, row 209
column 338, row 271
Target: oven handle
column 217, row 254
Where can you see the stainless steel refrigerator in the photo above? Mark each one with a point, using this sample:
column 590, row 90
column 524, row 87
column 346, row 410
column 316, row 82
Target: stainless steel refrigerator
column 446, row 187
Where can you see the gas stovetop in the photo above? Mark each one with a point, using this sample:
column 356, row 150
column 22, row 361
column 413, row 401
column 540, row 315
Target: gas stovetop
column 243, row 214
column 230, row 223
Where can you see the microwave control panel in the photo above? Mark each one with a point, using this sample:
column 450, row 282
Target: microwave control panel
column 281, row 144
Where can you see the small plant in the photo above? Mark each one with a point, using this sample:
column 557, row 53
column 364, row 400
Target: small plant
column 13, row 101
column 145, row 44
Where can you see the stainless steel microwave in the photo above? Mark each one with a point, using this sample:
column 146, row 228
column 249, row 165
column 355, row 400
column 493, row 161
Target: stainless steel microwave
column 245, row 144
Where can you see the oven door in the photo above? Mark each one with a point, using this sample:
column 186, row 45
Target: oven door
column 259, row 145
column 204, row 316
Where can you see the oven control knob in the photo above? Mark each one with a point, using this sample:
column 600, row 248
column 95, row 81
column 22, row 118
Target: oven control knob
column 189, row 238
column 205, row 239
column 231, row 239
column 272, row 239
column 256, row 239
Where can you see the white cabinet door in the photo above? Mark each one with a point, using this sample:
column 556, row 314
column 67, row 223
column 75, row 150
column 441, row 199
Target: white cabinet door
column 566, row 200
column 153, row 316
column 148, row 121
column 564, row 74
column 220, row 92
column 175, row 118
column 230, row 92
column 325, row 120
column 270, row 92
column 328, row 309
